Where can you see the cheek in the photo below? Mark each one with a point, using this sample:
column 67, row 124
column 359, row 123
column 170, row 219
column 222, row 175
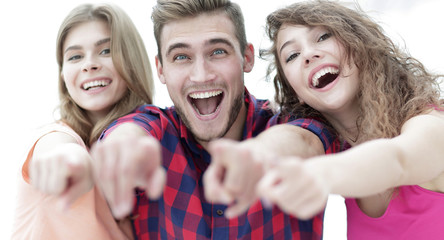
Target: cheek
column 294, row 77
column 173, row 88
column 232, row 73
column 176, row 79
column 123, row 87
column 68, row 75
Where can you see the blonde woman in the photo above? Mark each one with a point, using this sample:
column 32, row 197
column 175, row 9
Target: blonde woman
column 104, row 73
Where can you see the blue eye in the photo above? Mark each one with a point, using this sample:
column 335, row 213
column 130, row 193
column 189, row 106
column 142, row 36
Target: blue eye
column 219, row 51
column 105, row 51
column 324, row 37
column 75, row 57
column 180, row 57
column 291, row 57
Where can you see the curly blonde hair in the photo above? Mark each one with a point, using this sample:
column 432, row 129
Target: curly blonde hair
column 130, row 59
column 393, row 86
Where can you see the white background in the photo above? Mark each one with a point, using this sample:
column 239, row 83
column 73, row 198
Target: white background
column 28, row 69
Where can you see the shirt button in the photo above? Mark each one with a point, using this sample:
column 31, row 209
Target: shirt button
column 220, row 212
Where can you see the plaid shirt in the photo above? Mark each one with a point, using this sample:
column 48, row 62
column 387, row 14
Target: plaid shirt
column 182, row 212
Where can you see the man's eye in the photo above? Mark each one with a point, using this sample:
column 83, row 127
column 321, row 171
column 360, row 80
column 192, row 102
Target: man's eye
column 291, row 57
column 218, row 52
column 105, row 51
column 180, row 57
column 324, row 37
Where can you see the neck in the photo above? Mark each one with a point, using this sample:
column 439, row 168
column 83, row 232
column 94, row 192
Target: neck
column 345, row 124
column 95, row 117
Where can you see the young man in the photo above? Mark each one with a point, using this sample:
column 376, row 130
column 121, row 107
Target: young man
column 202, row 55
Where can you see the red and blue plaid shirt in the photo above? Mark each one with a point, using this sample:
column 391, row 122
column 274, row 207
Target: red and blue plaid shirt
column 182, row 212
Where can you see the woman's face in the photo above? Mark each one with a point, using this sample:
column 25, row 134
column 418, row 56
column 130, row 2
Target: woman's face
column 88, row 69
column 310, row 58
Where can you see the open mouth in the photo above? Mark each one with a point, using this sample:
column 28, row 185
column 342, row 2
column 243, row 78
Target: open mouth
column 206, row 103
column 324, row 77
column 95, row 84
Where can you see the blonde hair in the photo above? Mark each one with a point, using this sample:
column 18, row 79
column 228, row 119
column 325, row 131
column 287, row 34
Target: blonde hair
column 129, row 57
column 167, row 11
column 393, row 86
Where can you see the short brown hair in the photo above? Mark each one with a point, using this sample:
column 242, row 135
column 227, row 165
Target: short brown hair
column 167, row 11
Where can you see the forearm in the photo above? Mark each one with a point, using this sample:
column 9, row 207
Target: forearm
column 287, row 140
column 364, row 170
column 413, row 157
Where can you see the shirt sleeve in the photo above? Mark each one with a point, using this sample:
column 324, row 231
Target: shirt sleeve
column 148, row 119
column 329, row 140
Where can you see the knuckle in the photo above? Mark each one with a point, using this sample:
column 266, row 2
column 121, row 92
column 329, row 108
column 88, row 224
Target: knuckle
column 235, row 189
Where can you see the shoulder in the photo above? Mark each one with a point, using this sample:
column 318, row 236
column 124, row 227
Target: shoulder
column 326, row 134
column 433, row 120
column 144, row 113
column 58, row 129
column 154, row 120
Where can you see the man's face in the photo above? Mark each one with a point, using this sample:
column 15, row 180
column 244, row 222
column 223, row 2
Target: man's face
column 203, row 70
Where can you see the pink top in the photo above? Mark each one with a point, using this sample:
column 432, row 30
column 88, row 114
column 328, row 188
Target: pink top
column 37, row 216
column 413, row 213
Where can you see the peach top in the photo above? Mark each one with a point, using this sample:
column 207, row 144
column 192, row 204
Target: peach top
column 37, row 215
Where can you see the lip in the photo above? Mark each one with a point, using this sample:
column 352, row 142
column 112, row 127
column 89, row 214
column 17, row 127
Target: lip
column 107, row 79
column 317, row 69
column 208, row 117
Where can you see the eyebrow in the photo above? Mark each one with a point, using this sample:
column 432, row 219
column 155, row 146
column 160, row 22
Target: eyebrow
column 98, row 43
column 284, row 45
column 310, row 28
column 220, row 40
column 175, row 46
column 209, row 42
column 103, row 41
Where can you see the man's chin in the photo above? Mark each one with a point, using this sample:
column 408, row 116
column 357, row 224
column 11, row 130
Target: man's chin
column 207, row 136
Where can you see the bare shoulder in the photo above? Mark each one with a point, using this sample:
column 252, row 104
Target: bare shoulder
column 431, row 120
column 50, row 140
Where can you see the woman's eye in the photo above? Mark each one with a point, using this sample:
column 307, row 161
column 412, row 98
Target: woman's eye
column 291, row 57
column 74, row 57
column 105, row 51
column 324, row 37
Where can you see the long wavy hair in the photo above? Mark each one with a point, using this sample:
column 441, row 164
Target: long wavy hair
column 129, row 57
column 393, row 85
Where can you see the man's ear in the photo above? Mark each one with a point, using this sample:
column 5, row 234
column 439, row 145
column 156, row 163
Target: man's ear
column 159, row 69
column 248, row 58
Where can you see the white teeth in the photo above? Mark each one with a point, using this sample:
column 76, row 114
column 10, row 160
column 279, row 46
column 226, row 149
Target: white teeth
column 322, row 72
column 202, row 95
column 97, row 83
